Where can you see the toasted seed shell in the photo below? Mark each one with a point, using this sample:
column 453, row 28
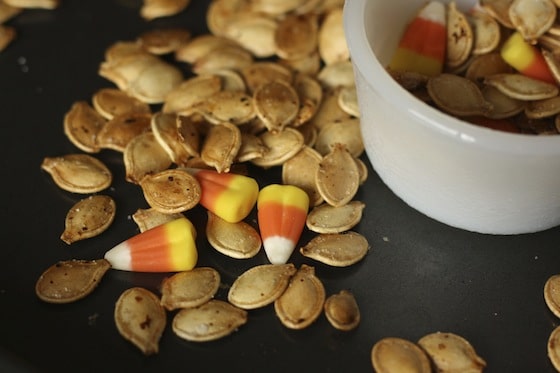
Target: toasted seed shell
column 486, row 32
column 553, row 348
column 543, row 108
column 302, row 301
column 70, row 280
column 287, row 38
column 260, row 285
column 553, row 63
column 337, row 74
column 119, row 131
column 485, row 65
column 190, row 288
column 149, row 218
column 171, row 191
column 337, row 249
column 164, row 40
column 82, row 125
column 499, row 9
column 140, row 319
column 260, row 73
column 460, row 37
column 152, row 9
column 342, row 310
column 251, row 147
column 329, row 219
column 329, row 111
column 88, row 218
column 228, row 57
column 300, row 171
column 165, row 129
column 399, row 355
column 277, row 104
column 532, row 18
column 254, row 32
column 457, row 95
column 310, row 95
column 78, row 173
column 110, row 102
column 331, row 40
column 346, row 132
column 227, row 106
column 522, row 87
column 201, row 45
column 348, row 101
column 552, row 294
column 221, row 145
column 210, row 321
column 144, row 155
column 451, row 353
column 155, row 81
column 281, row 146
column 190, row 92
column 236, row 240
column 338, row 177
column 503, row 106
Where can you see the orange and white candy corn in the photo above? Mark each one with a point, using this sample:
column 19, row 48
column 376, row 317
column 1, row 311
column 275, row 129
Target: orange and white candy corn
column 281, row 211
column 169, row 247
column 422, row 46
column 230, row 196
column 526, row 59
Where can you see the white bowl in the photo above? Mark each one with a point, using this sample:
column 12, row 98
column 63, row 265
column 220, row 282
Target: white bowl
column 460, row 174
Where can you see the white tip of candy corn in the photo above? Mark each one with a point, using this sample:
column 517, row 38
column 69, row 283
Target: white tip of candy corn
column 433, row 11
column 278, row 249
column 119, row 257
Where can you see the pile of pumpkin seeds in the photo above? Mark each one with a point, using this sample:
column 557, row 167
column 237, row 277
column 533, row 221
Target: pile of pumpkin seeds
column 477, row 85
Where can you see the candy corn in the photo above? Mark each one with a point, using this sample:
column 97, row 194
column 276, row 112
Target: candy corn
column 526, row 58
column 422, row 46
column 281, row 213
column 230, row 196
column 169, row 247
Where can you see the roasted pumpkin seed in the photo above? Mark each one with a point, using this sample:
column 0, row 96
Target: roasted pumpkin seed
column 337, row 177
column 237, row 240
column 221, row 145
column 522, row 87
column 144, row 155
column 149, row 218
column 532, row 18
column 110, row 102
column 201, row 45
column 78, row 173
column 552, row 294
column 329, row 219
column 171, row 191
column 277, row 104
column 460, row 38
column 281, row 146
column 302, row 301
column 165, row 129
column 300, row 171
column 553, row 348
column 152, row 9
column 287, row 38
column 457, row 95
column 210, row 321
column 82, row 125
column 392, row 354
column 226, row 106
column 450, row 352
column 70, row 280
column 164, row 40
column 260, row 73
column 331, row 39
column 190, row 288
column 346, row 132
column 260, row 285
column 140, row 319
column 88, row 218
column 337, row 249
column 190, row 92
column 254, row 32
column 121, row 129
column 342, row 310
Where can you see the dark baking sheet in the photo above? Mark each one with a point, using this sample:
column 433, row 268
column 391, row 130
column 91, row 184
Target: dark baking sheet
column 420, row 276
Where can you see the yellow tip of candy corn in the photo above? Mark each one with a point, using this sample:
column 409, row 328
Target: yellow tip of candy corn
column 526, row 59
column 282, row 210
column 230, row 196
column 169, row 247
column 422, row 46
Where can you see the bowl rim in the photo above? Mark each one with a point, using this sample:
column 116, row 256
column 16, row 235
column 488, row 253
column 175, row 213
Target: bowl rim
column 362, row 56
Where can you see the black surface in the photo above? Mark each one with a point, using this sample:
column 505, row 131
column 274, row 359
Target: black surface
column 419, row 277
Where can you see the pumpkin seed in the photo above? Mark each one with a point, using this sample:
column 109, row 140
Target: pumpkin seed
column 110, row 102
column 164, row 40
column 32, row 4
column 190, row 92
column 260, row 73
column 144, row 155
column 451, row 353
column 171, row 191
column 82, row 125
column 310, row 94
column 276, row 104
column 532, row 18
column 460, row 37
column 227, row 57
column 152, row 9
column 300, row 171
column 522, row 87
column 348, row 101
column 338, row 176
column 7, row 35
column 553, row 348
column 553, row 63
column 88, row 218
column 331, row 40
column 165, row 129
column 485, row 65
column 302, row 301
column 201, row 45
column 140, row 319
column 552, row 294
column 503, row 106
column 78, row 173
column 210, row 321
column 346, row 132
column 342, row 310
column 121, row 129
column 221, row 145
column 281, row 145
column 329, row 219
column 70, row 280
column 457, row 95
column 154, row 82
column 337, row 249
column 310, row 64
column 486, row 31
column 190, row 288
column 251, row 147
column 260, row 285
column 392, row 354
column 8, row 12
column 543, row 108
column 329, row 111
column 149, row 218
column 287, row 38
column 226, row 106
column 236, row 240
column 499, row 10
column 276, row 7
column 337, row 74
column 254, row 32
